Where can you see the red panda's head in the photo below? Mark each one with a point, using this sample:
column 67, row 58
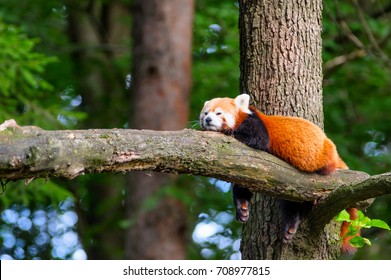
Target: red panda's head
column 222, row 114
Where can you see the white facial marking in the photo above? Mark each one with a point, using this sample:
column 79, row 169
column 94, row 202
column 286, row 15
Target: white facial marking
column 215, row 120
column 230, row 120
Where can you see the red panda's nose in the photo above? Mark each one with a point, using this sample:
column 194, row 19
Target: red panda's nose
column 208, row 120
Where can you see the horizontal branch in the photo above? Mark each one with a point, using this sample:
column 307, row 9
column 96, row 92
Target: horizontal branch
column 349, row 195
column 30, row 152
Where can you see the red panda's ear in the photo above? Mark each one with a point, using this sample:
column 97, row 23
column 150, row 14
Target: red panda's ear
column 242, row 102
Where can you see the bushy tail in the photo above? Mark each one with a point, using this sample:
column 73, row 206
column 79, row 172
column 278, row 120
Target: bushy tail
column 346, row 247
column 341, row 164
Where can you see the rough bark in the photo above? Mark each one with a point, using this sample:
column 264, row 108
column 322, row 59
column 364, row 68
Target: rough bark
column 281, row 67
column 281, row 56
column 162, row 31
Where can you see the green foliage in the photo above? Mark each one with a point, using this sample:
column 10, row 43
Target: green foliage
column 25, row 95
column 357, row 92
column 343, row 216
column 215, row 52
column 357, row 97
column 356, row 225
column 379, row 224
column 36, row 194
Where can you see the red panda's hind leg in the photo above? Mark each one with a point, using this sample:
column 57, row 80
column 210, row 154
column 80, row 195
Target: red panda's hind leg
column 242, row 198
column 293, row 213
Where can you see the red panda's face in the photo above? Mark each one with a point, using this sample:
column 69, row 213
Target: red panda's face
column 220, row 114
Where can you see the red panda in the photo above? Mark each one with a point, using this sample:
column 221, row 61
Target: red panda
column 294, row 140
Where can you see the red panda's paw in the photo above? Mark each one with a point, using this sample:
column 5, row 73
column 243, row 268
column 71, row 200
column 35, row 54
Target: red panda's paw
column 242, row 210
column 290, row 228
column 242, row 199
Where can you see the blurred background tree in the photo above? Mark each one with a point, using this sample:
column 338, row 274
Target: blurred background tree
column 67, row 64
column 357, row 95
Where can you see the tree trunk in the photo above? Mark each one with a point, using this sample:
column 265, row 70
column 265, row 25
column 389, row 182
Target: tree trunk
column 281, row 68
column 160, row 98
column 98, row 30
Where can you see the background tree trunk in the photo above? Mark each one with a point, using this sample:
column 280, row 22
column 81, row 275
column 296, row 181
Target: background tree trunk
column 98, row 29
column 161, row 75
column 281, row 68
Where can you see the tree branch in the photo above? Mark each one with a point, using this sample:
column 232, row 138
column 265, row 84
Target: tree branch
column 346, row 196
column 30, row 152
column 336, row 62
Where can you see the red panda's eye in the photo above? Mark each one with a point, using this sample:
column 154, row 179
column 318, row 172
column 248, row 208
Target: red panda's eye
column 218, row 113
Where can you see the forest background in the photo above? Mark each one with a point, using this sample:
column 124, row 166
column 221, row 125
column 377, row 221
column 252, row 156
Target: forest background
column 68, row 65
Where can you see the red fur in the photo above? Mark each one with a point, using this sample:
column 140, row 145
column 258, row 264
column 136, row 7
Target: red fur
column 305, row 146
column 302, row 144
column 296, row 141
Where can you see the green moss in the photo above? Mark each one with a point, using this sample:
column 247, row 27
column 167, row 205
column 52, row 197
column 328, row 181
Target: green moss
column 33, row 155
column 105, row 136
column 10, row 133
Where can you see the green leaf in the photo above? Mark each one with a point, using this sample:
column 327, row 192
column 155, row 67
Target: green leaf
column 38, row 193
column 359, row 242
column 29, row 78
column 361, row 221
column 352, row 230
column 379, row 224
column 367, row 241
column 343, row 216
